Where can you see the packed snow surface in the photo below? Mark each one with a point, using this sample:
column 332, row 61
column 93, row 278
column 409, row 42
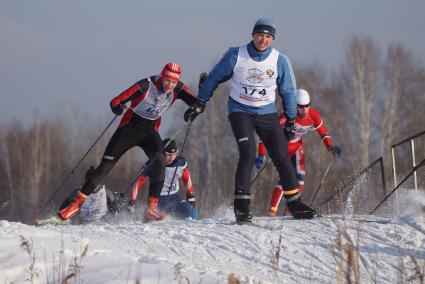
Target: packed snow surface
column 209, row 250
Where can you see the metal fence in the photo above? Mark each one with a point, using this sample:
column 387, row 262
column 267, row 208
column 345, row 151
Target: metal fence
column 410, row 139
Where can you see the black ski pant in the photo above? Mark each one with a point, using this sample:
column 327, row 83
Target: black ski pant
column 271, row 134
column 138, row 132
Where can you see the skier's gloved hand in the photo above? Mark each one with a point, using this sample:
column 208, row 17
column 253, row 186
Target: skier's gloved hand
column 259, row 162
column 152, row 212
column 194, row 110
column 290, row 129
column 336, row 150
column 118, row 109
column 202, row 78
column 190, row 197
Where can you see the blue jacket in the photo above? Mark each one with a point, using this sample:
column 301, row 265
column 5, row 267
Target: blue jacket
column 223, row 71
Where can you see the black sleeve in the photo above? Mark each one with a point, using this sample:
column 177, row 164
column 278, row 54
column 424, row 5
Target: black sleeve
column 183, row 93
column 134, row 91
column 143, row 88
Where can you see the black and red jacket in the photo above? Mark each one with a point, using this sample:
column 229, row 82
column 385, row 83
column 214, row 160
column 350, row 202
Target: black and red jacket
column 143, row 97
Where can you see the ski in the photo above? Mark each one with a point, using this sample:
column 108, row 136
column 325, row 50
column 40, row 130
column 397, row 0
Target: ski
column 348, row 218
column 52, row 220
column 250, row 224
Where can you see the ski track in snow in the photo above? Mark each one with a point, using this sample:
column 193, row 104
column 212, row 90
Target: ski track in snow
column 208, row 250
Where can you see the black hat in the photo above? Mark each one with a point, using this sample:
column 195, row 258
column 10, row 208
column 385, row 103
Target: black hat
column 264, row 25
column 171, row 147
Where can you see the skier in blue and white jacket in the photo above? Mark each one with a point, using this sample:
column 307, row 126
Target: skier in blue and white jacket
column 256, row 70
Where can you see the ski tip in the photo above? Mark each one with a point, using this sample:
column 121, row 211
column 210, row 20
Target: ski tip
column 51, row 220
column 364, row 219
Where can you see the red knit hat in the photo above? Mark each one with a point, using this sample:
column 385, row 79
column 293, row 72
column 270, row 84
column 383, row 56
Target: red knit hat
column 171, row 71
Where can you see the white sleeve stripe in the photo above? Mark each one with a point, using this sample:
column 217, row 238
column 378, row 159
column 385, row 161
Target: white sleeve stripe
column 189, row 184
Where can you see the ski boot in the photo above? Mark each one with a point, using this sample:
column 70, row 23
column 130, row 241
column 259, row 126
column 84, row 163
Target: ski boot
column 73, row 208
column 131, row 206
column 241, row 207
column 299, row 210
column 272, row 212
column 153, row 213
column 275, row 200
column 286, row 211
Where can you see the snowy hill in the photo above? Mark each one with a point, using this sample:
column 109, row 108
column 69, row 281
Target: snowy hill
column 209, row 250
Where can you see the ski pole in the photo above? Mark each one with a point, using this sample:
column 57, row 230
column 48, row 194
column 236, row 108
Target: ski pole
column 179, row 157
column 321, row 182
column 259, row 172
column 77, row 165
column 386, row 197
column 202, row 77
column 149, row 163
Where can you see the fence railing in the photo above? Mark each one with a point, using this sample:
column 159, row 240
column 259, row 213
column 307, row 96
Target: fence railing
column 360, row 174
column 413, row 170
column 413, row 155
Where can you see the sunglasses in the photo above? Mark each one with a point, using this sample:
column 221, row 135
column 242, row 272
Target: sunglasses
column 303, row 106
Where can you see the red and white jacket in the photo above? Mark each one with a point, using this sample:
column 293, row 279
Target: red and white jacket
column 312, row 121
column 182, row 172
column 149, row 101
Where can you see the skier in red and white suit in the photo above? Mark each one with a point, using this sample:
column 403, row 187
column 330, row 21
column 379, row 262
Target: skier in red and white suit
column 307, row 120
column 170, row 200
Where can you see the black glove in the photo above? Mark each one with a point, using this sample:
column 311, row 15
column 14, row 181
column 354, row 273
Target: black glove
column 336, row 150
column 118, row 109
column 259, row 162
column 290, row 129
column 190, row 197
column 194, row 110
column 202, row 78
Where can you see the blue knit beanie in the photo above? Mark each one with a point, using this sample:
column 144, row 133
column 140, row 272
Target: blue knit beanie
column 265, row 25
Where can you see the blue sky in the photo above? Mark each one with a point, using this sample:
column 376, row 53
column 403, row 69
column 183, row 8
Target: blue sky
column 58, row 55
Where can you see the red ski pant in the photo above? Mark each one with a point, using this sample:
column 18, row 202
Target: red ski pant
column 296, row 152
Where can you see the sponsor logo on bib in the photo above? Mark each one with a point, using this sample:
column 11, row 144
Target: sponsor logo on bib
column 255, row 75
column 270, row 73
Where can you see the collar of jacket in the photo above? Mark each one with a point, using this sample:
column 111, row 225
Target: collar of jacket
column 258, row 55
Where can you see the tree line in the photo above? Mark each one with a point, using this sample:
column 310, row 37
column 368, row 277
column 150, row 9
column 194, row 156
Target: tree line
column 373, row 99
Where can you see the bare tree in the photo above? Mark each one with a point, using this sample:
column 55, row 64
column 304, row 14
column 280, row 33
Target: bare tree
column 28, row 159
column 359, row 80
column 404, row 83
column 403, row 103
column 36, row 158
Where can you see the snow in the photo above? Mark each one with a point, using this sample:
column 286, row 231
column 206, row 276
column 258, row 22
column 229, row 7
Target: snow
column 209, row 250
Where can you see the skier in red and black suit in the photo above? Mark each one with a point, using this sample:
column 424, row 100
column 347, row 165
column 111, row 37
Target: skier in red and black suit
column 307, row 119
column 149, row 99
